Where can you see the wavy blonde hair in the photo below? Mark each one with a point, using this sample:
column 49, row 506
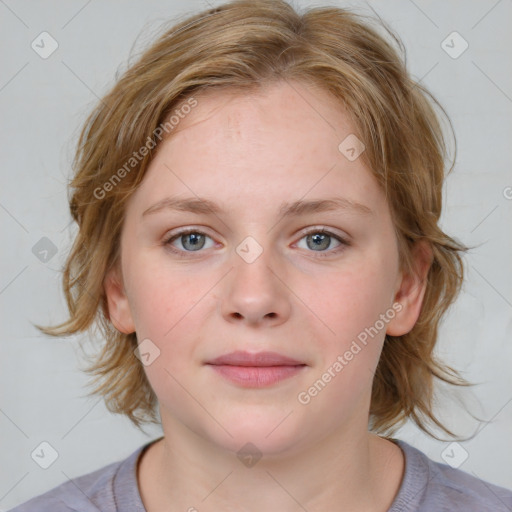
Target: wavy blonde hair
column 242, row 45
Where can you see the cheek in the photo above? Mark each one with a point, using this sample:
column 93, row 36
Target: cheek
column 168, row 309
column 159, row 297
column 170, row 305
column 351, row 299
column 350, row 304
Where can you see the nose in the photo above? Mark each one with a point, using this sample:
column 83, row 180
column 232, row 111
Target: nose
column 255, row 294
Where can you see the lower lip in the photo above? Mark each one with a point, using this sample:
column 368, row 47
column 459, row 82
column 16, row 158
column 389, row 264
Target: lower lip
column 257, row 376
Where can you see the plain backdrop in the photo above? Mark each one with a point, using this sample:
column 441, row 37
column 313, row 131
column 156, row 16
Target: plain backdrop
column 44, row 102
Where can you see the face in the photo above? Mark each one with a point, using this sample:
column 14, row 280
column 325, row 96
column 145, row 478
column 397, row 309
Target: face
column 249, row 278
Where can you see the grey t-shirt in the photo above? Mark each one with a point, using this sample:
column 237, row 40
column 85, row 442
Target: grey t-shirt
column 427, row 486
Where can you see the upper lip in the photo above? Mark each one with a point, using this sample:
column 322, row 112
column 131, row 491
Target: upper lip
column 241, row 358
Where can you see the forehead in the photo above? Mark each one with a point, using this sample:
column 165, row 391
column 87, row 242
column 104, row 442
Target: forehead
column 272, row 106
column 279, row 143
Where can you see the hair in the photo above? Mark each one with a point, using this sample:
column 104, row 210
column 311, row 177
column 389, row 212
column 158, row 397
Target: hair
column 241, row 46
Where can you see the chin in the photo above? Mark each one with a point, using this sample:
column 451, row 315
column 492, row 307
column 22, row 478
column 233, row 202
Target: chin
column 266, row 437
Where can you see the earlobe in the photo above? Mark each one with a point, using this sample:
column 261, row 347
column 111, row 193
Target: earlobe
column 119, row 312
column 411, row 291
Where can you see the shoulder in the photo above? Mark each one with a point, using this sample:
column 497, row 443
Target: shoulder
column 92, row 492
column 83, row 493
column 428, row 485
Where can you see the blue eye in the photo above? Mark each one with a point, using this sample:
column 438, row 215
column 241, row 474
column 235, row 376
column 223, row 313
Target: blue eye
column 319, row 239
column 193, row 240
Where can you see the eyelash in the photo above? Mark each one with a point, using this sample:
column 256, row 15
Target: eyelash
column 321, row 254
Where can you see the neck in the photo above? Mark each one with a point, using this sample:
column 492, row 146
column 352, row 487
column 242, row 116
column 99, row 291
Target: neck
column 183, row 471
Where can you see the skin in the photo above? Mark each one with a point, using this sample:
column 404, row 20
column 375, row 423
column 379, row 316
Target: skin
column 249, row 153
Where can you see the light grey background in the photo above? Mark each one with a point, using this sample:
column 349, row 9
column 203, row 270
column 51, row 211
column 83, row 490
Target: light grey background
column 43, row 103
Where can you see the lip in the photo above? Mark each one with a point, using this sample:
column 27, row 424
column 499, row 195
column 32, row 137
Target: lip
column 257, row 376
column 256, row 370
column 260, row 359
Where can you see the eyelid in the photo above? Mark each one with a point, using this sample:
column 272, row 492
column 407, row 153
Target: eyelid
column 304, row 231
column 344, row 241
column 320, row 228
column 175, row 234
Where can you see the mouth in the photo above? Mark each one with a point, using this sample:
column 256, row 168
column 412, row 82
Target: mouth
column 256, row 370
column 259, row 359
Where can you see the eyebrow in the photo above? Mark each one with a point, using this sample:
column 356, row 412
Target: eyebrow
column 204, row 206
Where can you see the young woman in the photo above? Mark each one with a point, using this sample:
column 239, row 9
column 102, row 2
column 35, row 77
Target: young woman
column 258, row 200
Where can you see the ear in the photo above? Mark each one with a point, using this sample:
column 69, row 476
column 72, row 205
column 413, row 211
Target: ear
column 119, row 311
column 410, row 290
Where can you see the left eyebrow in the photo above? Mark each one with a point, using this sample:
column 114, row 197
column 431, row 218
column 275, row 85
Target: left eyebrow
column 297, row 208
